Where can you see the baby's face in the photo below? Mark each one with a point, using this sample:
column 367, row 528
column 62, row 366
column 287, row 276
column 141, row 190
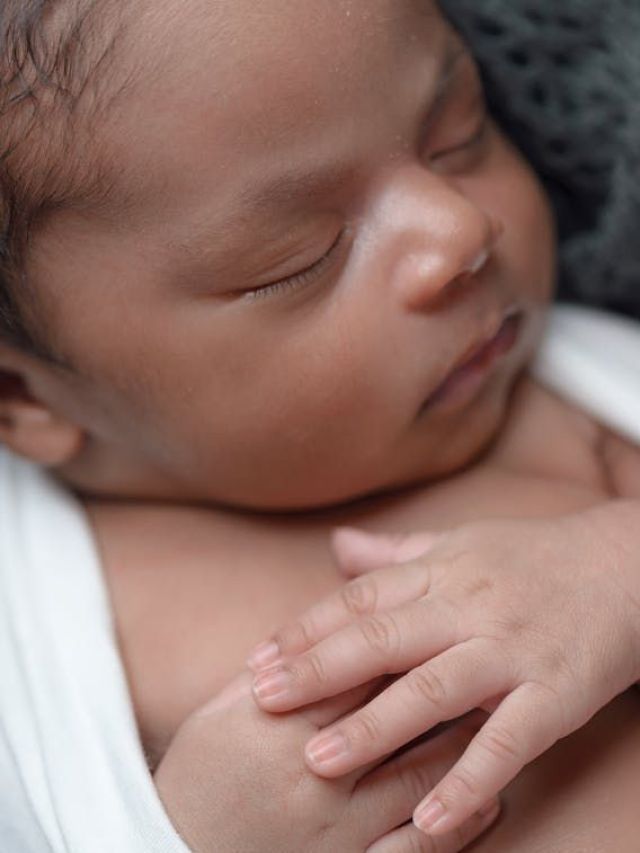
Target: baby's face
column 321, row 224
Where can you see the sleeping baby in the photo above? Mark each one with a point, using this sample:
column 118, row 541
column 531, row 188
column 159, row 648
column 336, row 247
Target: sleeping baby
column 269, row 272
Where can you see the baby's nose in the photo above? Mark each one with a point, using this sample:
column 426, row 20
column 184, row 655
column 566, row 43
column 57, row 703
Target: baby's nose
column 454, row 242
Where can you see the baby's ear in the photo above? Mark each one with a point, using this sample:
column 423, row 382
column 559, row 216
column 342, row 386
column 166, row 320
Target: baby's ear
column 29, row 427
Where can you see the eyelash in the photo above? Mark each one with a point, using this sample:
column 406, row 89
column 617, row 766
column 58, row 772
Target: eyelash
column 299, row 279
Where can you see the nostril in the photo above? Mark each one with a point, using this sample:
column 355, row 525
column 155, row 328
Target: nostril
column 478, row 263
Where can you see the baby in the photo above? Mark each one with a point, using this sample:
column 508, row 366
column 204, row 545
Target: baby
column 269, row 271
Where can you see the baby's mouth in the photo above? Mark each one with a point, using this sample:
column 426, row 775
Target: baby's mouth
column 468, row 375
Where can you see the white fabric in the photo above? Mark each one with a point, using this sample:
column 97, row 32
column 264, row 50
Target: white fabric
column 593, row 359
column 72, row 774
column 73, row 778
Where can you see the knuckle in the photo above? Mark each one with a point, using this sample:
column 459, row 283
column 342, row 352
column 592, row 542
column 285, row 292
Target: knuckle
column 312, row 670
column 509, row 627
column 360, row 598
column 381, row 635
column 427, row 686
column 500, row 743
column 296, row 637
column 478, row 586
column 463, row 784
column 364, row 728
column 553, row 661
column 553, row 709
column 544, row 693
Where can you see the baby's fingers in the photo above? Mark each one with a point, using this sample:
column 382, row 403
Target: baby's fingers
column 443, row 689
column 526, row 724
column 382, row 590
column 385, row 798
column 387, row 643
column 409, row 839
column 358, row 552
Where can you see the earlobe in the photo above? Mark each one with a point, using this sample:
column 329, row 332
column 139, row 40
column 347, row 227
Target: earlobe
column 29, row 426
column 33, row 431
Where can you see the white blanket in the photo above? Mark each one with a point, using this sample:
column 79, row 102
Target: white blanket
column 73, row 778
column 593, row 359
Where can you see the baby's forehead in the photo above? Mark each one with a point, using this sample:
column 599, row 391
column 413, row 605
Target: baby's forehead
column 171, row 88
column 82, row 61
column 201, row 66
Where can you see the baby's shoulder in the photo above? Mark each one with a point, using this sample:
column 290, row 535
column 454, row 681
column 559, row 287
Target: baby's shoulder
column 547, row 436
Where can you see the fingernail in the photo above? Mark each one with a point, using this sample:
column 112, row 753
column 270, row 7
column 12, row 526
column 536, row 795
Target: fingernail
column 264, row 655
column 272, row 684
column 431, row 816
column 326, row 749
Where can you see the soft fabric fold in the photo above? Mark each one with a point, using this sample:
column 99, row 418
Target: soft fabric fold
column 73, row 777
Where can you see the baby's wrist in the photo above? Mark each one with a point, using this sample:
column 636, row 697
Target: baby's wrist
column 616, row 524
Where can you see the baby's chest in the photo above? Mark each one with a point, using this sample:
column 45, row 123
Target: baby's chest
column 186, row 627
column 193, row 592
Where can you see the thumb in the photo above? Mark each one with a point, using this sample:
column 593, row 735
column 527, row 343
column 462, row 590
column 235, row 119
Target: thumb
column 358, row 552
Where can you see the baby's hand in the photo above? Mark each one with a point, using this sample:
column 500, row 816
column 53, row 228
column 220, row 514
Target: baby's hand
column 528, row 619
column 234, row 781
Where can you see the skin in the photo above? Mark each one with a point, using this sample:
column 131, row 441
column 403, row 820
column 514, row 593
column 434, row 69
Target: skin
column 187, row 378
column 482, row 619
column 185, row 387
column 184, row 632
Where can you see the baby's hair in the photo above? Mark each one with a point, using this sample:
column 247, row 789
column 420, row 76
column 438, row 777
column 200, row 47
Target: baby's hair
column 55, row 59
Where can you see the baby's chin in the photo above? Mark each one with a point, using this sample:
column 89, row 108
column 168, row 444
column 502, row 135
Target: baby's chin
column 432, row 449
column 421, row 463
column 458, row 457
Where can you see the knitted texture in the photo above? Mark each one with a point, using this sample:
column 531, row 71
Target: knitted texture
column 563, row 78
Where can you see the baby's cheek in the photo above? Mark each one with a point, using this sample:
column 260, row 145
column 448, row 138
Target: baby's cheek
column 535, row 240
column 514, row 194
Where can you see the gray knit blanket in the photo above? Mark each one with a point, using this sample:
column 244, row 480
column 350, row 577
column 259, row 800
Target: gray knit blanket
column 563, row 77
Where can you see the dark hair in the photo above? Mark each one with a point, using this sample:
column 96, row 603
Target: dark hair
column 50, row 53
